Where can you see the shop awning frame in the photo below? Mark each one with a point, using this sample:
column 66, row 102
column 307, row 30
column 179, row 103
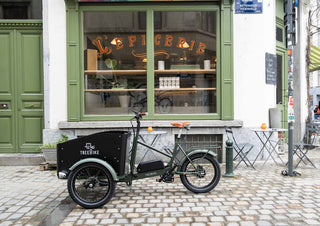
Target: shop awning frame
column 314, row 58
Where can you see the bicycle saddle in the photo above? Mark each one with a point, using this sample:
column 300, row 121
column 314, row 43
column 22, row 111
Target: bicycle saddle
column 180, row 124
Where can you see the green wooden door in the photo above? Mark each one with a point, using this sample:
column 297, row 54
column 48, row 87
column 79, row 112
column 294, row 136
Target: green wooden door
column 282, row 65
column 21, row 90
column 282, row 85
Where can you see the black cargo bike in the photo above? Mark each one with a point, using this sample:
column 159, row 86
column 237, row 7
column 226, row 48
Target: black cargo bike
column 94, row 164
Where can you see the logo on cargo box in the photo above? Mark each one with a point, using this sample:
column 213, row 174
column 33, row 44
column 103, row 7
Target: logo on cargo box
column 89, row 150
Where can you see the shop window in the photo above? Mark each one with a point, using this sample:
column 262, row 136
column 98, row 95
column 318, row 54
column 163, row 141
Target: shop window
column 115, row 62
column 185, row 57
column 21, row 10
column 279, row 80
column 15, row 12
column 279, row 34
column 183, row 78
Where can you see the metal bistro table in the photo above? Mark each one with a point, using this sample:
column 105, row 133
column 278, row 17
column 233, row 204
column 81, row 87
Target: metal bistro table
column 265, row 136
column 146, row 137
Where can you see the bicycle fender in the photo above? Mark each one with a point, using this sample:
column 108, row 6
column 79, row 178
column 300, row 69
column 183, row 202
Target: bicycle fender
column 99, row 161
column 198, row 151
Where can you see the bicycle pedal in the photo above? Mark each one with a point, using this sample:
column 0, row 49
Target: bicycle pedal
column 168, row 178
column 169, row 181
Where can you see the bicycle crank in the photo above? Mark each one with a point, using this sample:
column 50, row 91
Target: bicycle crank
column 167, row 178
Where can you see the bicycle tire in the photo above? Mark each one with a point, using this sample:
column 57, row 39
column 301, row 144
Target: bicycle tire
column 203, row 163
column 91, row 185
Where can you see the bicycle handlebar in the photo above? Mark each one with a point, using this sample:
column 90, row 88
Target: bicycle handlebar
column 138, row 115
column 143, row 114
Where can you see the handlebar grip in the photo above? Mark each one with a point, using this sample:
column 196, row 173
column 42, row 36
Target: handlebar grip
column 143, row 113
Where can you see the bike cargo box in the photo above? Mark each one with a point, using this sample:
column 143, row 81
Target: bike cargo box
column 110, row 146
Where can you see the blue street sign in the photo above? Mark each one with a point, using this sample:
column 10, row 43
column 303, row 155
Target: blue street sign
column 248, row 6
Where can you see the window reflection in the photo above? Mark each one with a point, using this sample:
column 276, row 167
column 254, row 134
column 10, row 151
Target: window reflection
column 115, row 62
column 185, row 59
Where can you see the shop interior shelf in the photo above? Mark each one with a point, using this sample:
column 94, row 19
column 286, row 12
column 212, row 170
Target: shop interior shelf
column 135, row 72
column 156, row 89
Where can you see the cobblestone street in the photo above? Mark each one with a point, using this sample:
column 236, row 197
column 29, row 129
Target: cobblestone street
column 28, row 195
column 262, row 197
column 254, row 197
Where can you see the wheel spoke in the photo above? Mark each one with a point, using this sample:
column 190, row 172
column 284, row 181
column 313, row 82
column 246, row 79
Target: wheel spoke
column 88, row 172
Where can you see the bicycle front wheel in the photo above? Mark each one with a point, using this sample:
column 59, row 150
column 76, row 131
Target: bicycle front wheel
column 202, row 173
column 91, row 185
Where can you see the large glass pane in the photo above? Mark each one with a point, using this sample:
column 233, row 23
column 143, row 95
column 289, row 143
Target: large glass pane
column 185, row 62
column 279, row 79
column 114, row 62
column 31, row 9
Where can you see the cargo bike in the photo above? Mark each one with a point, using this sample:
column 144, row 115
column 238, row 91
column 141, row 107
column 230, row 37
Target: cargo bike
column 93, row 164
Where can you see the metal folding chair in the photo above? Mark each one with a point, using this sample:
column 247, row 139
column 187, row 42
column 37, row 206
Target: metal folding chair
column 302, row 148
column 241, row 149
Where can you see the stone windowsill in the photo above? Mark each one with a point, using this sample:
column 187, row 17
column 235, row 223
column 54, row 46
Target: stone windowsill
column 146, row 123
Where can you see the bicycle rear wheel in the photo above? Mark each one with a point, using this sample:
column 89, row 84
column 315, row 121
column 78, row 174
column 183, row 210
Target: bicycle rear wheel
column 202, row 173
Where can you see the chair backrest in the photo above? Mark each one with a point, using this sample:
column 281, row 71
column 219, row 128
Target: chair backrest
column 311, row 131
column 230, row 135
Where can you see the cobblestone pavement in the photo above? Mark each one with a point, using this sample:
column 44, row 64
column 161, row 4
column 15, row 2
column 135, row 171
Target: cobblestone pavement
column 254, row 197
column 28, row 195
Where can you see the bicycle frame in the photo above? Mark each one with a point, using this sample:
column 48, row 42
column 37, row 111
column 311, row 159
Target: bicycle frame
column 170, row 167
column 199, row 171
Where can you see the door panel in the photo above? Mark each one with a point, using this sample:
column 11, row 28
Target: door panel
column 7, row 108
column 31, row 133
column 31, row 64
column 282, row 82
column 6, row 137
column 21, row 90
column 30, row 91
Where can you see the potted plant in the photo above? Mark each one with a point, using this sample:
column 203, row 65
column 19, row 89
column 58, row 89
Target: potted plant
column 49, row 150
column 118, row 83
column 113, row 65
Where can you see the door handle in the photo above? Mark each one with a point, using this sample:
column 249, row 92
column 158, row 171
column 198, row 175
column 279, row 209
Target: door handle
column 4, row 106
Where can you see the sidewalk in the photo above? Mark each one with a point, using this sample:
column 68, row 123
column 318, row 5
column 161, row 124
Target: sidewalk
column 255, row 197
column 27, row 195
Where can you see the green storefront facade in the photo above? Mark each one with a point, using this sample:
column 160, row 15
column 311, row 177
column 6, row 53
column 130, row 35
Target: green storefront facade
column 147, row 12
column 171, row 59
column 104, row 59
column 209, row 94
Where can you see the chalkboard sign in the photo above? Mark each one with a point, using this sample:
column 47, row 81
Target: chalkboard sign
column 271, row 69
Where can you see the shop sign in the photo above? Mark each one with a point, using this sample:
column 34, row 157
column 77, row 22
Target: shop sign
column 168, row 41
column 248, row 6
column 271, row 69
column 146, row 0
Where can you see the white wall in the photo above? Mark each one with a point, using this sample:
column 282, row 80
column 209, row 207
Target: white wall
column 54, row 48
column 254, row 35
column 302, row 105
